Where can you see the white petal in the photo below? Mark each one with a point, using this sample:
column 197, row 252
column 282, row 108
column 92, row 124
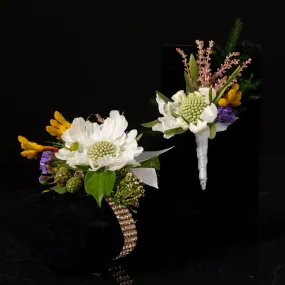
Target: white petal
column 147, row 175
column 210, row 113
column 64, row 154
column 179, row 96
column 200, row 127
column 157, row 128
column 113, row 127
column 182, row 123
column 160, row 104
column 205, row 92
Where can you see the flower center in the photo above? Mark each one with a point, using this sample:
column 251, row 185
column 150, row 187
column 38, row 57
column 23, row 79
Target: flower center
column 192, row 107
column 100, row 149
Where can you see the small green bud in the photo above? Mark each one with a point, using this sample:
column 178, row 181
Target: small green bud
column 74, row 146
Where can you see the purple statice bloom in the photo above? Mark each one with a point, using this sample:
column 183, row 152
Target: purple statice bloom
column 46, row 158
column 226, row 114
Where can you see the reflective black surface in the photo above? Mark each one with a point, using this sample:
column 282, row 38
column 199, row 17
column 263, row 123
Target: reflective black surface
column 203, row 260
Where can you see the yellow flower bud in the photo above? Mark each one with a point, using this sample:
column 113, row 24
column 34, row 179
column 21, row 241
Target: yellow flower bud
column 235, row 87
column 222, row 102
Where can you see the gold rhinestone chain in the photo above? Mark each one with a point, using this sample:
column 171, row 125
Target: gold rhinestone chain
column 128, row 227
column 121, row 276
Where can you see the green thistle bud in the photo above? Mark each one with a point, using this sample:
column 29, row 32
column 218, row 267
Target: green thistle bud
column 74, row 184
column 192, row 107
column 100, row 149
column 62, row 175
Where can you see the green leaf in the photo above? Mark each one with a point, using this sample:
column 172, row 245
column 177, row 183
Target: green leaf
column 189, row 87
column 99, row 184
column 210, row 95
column 139, row 137
column 150, row 124
column 193, row 70
column 151, row 163
column 59, row 189
column 230, row 79
column 164, row 98
column 212, row 127
column 174, row 131
column 82, row 167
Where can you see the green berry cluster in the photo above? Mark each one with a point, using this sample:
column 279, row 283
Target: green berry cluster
column 128, row 191
column 192, row 107
column 74, row 184
column 62, row 176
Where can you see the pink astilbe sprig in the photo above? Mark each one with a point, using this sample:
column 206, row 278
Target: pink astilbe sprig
column 244, row 65
column 225, row 67
column 220, row 83
column 203, row 62
column 185, row 63
column 228, row 64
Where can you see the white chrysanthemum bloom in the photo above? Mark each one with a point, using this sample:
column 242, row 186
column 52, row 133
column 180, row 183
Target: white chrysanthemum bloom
column 101, row 145
column 187, row 112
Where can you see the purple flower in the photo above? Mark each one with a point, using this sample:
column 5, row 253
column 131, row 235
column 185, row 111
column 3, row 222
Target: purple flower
column 46, row 158
column 226, row 114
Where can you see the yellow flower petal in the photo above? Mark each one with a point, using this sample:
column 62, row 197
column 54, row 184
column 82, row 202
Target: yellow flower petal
column 230, row 95
column 222, row 102
column 30, row 154
column 26, row 144
column 235, row 87
column 53, row 131
column 236, row 100
column 55, row 123
column 58, row 116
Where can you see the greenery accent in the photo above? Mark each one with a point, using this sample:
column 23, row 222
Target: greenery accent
column 163, row 97
column 189, row 87
column 139, row 137
column 59, row 189
column 128, row 190
column 150, row 124
column 193, row 70
column 234, row 36
column 99, row 184
column 210, row 95
column 174, row 131
column 212, row 127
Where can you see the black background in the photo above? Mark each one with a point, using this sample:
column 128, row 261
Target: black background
column 94, row 58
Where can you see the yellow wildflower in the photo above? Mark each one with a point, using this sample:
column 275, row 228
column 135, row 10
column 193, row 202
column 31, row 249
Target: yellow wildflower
column 58, row 125
column 232, row 97
column 32, row 149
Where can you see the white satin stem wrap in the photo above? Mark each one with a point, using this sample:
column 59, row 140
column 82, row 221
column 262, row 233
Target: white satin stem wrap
column 202, row 155
column 202, row 141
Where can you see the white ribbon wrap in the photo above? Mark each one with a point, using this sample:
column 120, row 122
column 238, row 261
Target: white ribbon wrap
column 202, row 152
column 148, row 175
